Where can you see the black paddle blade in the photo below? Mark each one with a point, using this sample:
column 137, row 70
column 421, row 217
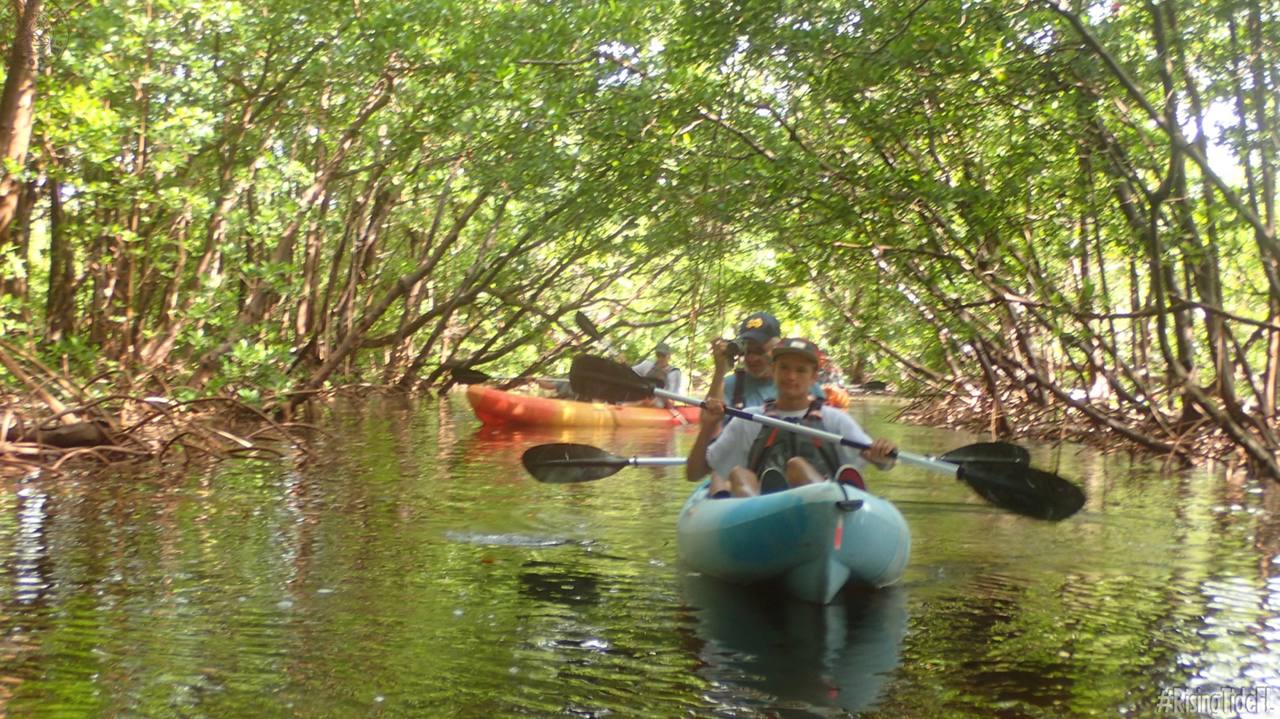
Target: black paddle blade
column 466, row 375
column 1024, row 490
column 586, row 325
column 570, row 463
column 1000, row 452
column 607, row 381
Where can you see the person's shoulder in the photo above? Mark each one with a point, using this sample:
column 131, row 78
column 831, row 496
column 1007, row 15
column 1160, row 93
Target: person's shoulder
column 837, row 420
column 735, row 429
column 837, row 414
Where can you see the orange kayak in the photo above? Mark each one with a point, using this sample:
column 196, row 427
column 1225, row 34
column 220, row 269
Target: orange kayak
column 493, row 406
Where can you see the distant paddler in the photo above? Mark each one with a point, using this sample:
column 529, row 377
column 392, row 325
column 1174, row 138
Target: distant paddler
column 661, row 369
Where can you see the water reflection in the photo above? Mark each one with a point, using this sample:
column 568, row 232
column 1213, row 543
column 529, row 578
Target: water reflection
column 31, row 559
column 763, row 650
column 559, row 583
column 511, row 443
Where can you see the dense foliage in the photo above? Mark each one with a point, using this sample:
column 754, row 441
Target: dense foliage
column 1014, row 209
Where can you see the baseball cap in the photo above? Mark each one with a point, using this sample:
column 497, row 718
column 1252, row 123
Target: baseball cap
column 662, row 349
column 797, row 346
column 760, row 327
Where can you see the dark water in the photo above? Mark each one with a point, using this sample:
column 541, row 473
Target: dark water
column 410, row 568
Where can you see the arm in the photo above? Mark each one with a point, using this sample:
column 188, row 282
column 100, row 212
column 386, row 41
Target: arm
column 708, row 427
column 881, row 454
column 722, row 366
column 881, row 450
column 846, row 426
column 561, row 387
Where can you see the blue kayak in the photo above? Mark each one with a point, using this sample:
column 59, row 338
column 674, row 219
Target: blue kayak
column 813, row 539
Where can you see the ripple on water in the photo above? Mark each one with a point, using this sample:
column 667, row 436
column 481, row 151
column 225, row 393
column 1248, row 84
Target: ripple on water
column 505, row 540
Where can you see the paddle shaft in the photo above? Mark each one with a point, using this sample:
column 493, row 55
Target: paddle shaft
column 918, row 460
column 614, row 462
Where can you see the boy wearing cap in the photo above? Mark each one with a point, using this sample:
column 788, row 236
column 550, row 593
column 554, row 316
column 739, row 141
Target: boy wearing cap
column 747, row 454
column 752, row 385
column 660, row 368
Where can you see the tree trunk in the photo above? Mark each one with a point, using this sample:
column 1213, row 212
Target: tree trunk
column 17, row 115
column 60, row 301
column 258, row 296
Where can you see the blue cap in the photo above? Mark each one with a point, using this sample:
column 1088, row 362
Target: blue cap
column 760, row 327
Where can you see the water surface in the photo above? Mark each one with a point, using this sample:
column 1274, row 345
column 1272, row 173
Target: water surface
column 409, row 567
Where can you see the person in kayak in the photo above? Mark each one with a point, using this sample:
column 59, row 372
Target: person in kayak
column 750, row 385
column 560, row 388
column 747, row 457
column 660, row 368
column 563, row 389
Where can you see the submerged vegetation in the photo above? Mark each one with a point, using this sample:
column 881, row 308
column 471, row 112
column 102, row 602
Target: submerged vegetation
column 1043, row 217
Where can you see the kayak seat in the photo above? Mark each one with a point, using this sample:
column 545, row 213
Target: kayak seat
column 847, row 474
column 773, row 480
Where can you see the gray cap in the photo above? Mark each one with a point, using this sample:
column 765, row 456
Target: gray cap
column 662, row 349
column 797, row 346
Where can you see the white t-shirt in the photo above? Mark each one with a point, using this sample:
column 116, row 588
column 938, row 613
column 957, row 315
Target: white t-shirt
column 733, row 447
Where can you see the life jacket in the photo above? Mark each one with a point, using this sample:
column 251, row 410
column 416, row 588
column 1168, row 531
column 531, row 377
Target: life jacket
column 773, row 446
column 836, row 396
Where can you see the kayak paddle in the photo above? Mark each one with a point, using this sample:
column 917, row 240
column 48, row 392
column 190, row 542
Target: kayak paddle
column 563, row 463
column 989, row 452
column 468, row 375
column 572, row 463
column 587, row 326
column 998, row 473
column 590, row 330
